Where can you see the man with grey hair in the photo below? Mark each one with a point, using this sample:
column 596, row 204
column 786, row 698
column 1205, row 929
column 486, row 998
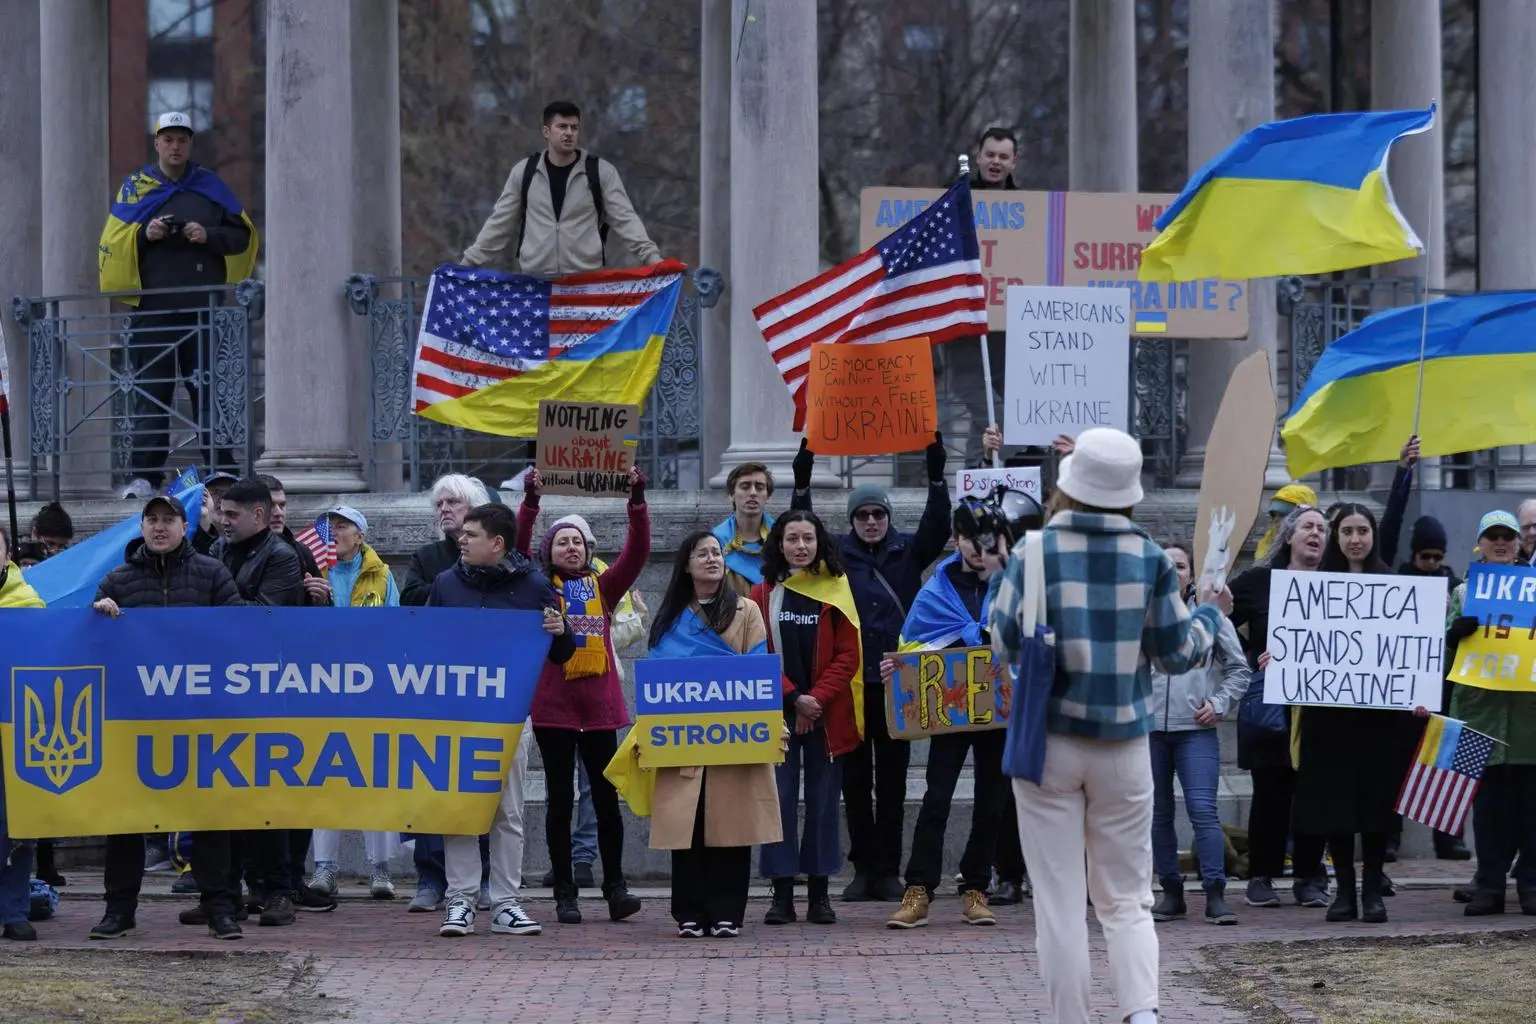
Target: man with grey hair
column 1526, row 513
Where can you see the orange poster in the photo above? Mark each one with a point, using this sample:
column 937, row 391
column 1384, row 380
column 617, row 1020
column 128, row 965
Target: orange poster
column 871, row 399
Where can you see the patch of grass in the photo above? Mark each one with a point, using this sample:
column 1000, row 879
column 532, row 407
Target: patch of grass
column 113, row 987
column 1471, row 979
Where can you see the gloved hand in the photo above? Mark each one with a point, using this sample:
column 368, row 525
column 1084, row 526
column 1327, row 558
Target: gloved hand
column 804, row 463
column 636, row 486
column 935, row 455
column 1462, row 628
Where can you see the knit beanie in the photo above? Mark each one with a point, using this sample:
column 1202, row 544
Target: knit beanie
column 868, row 494
column 567, row 523
column 1428, row 535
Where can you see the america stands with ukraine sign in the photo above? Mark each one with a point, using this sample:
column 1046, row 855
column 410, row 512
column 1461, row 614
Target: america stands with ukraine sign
column 214, row 718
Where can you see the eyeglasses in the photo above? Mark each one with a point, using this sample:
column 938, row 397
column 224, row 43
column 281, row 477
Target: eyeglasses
column 869, row 514
column 1430, row 556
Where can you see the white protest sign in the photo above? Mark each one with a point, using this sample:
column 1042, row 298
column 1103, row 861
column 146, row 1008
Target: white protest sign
column 1356, row 640
column 979, row 483
column 1068, row 365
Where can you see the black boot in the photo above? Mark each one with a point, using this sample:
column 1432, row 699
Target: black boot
column 1486, row 903
column 782, row 909
column 567, row 911
column 858, row 889
column 1171, row 907
column 1449, row 847
column 1216, row 909
column 621, row 902
column 1345, row 906
column 1372, row 909
column 818, row 903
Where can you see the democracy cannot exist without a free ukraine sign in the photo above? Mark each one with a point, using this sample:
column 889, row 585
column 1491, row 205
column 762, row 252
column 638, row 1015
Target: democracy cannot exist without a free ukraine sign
column 241, row 718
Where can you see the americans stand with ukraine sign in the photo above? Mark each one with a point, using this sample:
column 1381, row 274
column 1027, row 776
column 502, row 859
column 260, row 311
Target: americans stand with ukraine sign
column 239, row 718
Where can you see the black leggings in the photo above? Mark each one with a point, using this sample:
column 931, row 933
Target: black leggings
column 1373, row 854
column 558, row 748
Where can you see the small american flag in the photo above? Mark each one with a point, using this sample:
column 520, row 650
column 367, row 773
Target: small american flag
column 320, row 541
column 1439, row 788
column 923, row 279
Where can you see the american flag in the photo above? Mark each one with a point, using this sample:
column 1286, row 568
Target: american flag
column 320, row 541
column 481, row 327
column 5, row 376
column 1439, row 788
column 923, row 279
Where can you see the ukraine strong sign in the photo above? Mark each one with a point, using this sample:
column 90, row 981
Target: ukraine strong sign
column 243, row 718
column 702, row 711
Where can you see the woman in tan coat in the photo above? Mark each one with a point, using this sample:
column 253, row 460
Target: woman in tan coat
column 710, row 817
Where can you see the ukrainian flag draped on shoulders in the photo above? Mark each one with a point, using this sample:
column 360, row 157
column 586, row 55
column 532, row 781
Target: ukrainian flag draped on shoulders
column 138, row 200
column 832, row 590
column 1303, row 196
column 938, row 617
column 492, row 344
column 743, row 555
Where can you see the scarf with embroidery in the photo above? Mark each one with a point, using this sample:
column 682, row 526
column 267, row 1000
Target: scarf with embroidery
column 582, row 601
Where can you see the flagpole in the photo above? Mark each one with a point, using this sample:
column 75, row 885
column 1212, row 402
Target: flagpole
column 1429, row 218
column 986, row 354
column 10, row 476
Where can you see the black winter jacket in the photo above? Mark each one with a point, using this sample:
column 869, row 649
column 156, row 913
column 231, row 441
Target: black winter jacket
column 181, row 579
column 269, row 575
column 174, row 262
column 515, row 584
column 427, row 563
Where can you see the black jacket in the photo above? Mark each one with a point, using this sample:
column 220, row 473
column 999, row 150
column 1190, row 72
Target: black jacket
column 174, row 262
column 269, row 572
column 180, row 579
column 514, row 584
column 427, row 563
column 307, row 565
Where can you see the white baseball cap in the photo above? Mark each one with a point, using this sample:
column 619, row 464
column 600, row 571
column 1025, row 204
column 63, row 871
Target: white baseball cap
column 173, row 119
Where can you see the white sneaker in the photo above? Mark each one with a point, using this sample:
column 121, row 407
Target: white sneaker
column 138, row 489
column 725, row 930
column 484, row 902
column 426, row 901
column 458, row 922
column 510, row 919
column 324, row 879
column 381, row 885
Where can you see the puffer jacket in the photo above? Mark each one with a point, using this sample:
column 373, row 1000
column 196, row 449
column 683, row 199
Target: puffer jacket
column 1222, row 682
column 181, row 579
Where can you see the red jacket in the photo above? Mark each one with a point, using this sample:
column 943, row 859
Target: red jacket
column 836, row 662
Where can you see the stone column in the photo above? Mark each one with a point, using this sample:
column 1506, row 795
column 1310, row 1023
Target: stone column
column 375, row 201
column 75, row 194
column 309, row 248
column 1405, row 74
column 1231, row 90
column 775, row 223
column 21, row 214
column 1101, row 132
column 716, row 39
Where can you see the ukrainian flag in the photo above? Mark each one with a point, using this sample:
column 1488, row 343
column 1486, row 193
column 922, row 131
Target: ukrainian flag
column 1479, row 384
column 1151, row 323
column 140, row 198
column 1304, row 196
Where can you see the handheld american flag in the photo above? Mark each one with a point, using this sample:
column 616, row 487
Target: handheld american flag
column 924, row 279
column 320, row 541
column 1443, row 779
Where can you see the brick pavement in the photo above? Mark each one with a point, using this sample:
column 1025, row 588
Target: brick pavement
column 376, row 963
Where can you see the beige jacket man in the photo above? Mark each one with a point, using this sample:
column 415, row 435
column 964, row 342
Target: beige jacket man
column 571, row 244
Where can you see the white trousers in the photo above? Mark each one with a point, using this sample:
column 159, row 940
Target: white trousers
column 461, row 854
column 379, row 846
column 1094, row 805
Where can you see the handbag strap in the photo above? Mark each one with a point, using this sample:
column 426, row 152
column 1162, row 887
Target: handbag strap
column 1032, row 614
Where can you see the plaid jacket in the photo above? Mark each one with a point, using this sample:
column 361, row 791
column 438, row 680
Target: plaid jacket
column 1112, row 598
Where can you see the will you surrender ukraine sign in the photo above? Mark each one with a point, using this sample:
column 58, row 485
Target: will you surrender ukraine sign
column 242, row 718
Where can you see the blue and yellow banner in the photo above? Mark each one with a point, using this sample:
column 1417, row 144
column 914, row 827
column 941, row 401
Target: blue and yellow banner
column 714, row 710
column 241, row 718
column 1501, row 655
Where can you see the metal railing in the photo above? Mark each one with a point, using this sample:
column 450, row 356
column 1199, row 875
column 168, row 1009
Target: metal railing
column 408, row 452
column 119, row 393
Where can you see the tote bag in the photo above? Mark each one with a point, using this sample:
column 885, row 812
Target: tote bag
column 1034, row 672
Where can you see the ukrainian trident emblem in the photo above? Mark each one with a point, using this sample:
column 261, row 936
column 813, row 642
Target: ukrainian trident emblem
column 60, row 713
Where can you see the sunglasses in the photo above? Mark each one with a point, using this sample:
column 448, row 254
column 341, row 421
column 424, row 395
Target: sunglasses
column 869, row 514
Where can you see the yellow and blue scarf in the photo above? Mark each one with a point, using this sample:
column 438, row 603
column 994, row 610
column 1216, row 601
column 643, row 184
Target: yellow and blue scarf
column 582, row 601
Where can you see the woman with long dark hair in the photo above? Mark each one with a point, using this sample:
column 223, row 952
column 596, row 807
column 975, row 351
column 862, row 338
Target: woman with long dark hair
column 813, row 625
column 709, row 817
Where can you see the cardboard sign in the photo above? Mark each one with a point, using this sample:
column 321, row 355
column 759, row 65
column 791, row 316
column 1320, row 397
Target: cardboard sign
column 1068, row 365
column 1355, row 640
column 587, row 447
column 871, row 399
column 1232, row 486
column 1093, row 239
column 702, row 711
column 954, row 690
column 979, row 483
column 1502, row 654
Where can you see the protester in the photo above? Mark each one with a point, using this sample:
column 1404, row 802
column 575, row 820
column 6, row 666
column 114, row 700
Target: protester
column 53, row 528
column 1300, row 539
column 557, row 207
column 1286, row 499
column 814, row 628
column 15, row 854
column 210, row 521
column 578, row 707
column 491, row 573
column 741, row 534
column 1112, row 599
column 1391, row 530
column 317, row 591
column 1527, row 516
column 885, row 569
column 1186, row 709
column 162, row 570
column 709, row 817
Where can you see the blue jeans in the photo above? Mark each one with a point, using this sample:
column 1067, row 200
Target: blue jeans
column 15, row 872
column 430, row 871
column 584, row 835
column 1195, row 756
column 817, row 853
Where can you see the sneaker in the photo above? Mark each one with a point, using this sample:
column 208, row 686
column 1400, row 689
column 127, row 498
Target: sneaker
column 381, row 886
column 484, row 900
column 1308, row 893
column 138, row 489
column 1009, row 892
column 566, row 910
column 324, row 879
column 225, row 926
column 582, row 873
column 157, row 858
column 1261, row 893
column 690, row 930
column 511, row 920
column 312, row 901
column 458, row 922
column 913, row 912
column 277, row 912
column 425, row 901
column 185, row 884
column 725, row 930
column 973, row 907
column 113, row 926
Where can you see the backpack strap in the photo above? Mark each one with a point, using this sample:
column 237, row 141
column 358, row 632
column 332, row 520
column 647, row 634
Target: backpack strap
column 530, row 168
column 595, row 183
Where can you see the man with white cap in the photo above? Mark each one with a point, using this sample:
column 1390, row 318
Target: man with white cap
column 1112, row 600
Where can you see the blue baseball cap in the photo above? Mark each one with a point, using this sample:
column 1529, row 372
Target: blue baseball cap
column 1495, row 519
column 351, row 515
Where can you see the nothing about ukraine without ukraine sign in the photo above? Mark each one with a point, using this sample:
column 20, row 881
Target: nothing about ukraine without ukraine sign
column 241, row 718
column 703, row 711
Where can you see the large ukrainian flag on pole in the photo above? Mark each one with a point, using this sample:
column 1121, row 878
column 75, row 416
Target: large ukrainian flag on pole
column 1479, row 381
column 1304, row 196
column 492, row 344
